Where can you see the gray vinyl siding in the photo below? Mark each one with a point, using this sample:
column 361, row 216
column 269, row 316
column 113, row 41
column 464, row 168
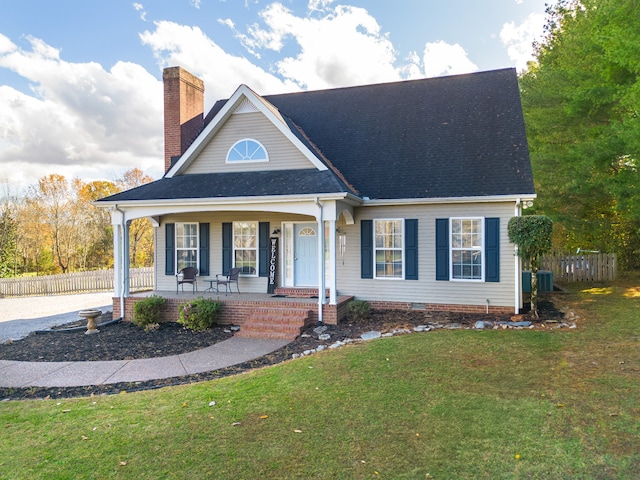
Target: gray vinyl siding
column 426, row 289
column 215, row 220
column 283, row 155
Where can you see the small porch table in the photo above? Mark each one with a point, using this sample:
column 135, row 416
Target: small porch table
column 211, row 287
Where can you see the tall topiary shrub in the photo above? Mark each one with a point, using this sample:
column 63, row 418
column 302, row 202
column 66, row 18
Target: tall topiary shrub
column 532, row 235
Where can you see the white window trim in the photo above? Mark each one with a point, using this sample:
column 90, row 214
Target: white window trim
column 287, row 247
column 177, row 249
column 247, row 161
column 257, row 247
column 375, row 249
column 451, row 250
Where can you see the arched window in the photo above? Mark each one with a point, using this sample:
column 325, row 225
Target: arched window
column 247, row 150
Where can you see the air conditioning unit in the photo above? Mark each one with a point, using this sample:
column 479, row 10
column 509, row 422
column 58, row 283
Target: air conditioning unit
column 545, row 281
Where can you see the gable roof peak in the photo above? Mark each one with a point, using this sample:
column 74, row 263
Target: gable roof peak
column 244, row 99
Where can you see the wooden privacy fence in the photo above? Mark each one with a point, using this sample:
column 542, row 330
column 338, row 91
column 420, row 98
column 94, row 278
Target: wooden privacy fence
column 77, row 282
column 581, row 267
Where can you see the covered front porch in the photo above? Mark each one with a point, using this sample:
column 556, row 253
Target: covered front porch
column 283, row 314
column 291, row 243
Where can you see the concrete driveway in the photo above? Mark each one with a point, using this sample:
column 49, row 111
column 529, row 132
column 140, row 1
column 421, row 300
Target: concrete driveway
column 20, row 316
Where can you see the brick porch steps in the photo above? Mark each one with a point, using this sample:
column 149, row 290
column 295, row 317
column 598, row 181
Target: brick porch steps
column 276, row 322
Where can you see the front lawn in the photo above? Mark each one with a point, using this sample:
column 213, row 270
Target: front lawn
column 445, row 404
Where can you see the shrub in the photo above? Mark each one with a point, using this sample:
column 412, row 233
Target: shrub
column 147, row 311
column 199, row 314
column 359, row 311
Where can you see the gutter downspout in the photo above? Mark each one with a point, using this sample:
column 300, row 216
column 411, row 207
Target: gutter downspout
column 518, row 273
column 321, row 259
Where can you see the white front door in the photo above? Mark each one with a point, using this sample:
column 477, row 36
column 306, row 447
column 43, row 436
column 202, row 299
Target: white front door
column 305, row 254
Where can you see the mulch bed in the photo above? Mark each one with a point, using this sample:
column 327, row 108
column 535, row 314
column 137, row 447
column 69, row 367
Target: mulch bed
column 125, row 341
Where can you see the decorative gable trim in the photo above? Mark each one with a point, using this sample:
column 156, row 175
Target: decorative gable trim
column 239, row 99
column 245, row 107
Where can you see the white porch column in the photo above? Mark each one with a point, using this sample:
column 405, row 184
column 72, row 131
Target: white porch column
column 117, row 260
column 332, row 263
column 120, row 256
column 126, row 263
column 321, row 284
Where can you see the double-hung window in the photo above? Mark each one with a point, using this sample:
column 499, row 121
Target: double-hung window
column 467, row 245
column 245, row 247
column 389, row 244
column 186, row 245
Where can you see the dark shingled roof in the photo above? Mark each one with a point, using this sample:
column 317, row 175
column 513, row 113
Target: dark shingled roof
column 246, row 184
column 455, row 136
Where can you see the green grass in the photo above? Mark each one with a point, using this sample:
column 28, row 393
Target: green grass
column 446, row 404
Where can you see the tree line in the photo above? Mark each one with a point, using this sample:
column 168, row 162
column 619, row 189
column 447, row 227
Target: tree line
column 581, row 101
column 54, row 227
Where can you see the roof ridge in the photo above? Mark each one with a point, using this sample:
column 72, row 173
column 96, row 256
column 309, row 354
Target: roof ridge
column 393, row 82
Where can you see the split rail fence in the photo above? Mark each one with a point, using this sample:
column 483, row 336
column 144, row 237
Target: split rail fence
column 77, row 282
column 581, row 267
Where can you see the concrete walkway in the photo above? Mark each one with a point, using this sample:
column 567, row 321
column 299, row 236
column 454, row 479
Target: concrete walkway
column 230, row 352
column 20, row 316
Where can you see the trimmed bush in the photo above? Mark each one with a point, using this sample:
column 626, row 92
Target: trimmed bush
column 359, row 311
column 147, row 311
column 199, row 314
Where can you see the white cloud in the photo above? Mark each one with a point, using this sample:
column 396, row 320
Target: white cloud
column 319, row 5
column 519, row 38
column 138, row 7
column 190, row 48
column 343, row 46
column 441, row 58
column 81, row 120
column 6, row 45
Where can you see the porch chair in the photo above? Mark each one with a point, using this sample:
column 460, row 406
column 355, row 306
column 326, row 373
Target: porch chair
column 189, row 275
column 227, row 280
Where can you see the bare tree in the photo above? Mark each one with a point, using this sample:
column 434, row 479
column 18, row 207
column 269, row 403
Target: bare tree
column 94, row 224
column 58, row 213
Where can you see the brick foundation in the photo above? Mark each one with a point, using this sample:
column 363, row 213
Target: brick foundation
column 439, row 307
column 237, row 312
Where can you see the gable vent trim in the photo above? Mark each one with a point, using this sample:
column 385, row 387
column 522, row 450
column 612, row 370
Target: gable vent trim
column 245, row 107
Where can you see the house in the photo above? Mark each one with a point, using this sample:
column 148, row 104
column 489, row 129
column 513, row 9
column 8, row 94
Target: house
column 395, row 193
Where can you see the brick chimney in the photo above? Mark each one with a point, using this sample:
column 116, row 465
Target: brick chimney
column 183, row 111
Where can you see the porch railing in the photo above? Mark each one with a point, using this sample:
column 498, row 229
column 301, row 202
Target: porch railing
column 76, row 282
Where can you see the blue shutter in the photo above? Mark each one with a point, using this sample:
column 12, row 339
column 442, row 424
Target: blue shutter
column 411, row 249
column 492, row 249
column 366, row 248
column 204, row 249
column 169, row 251
column 442, row 249
column 227, row 247
column 263, row 249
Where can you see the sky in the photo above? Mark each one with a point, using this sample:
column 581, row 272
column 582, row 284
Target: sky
column 81, row 80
